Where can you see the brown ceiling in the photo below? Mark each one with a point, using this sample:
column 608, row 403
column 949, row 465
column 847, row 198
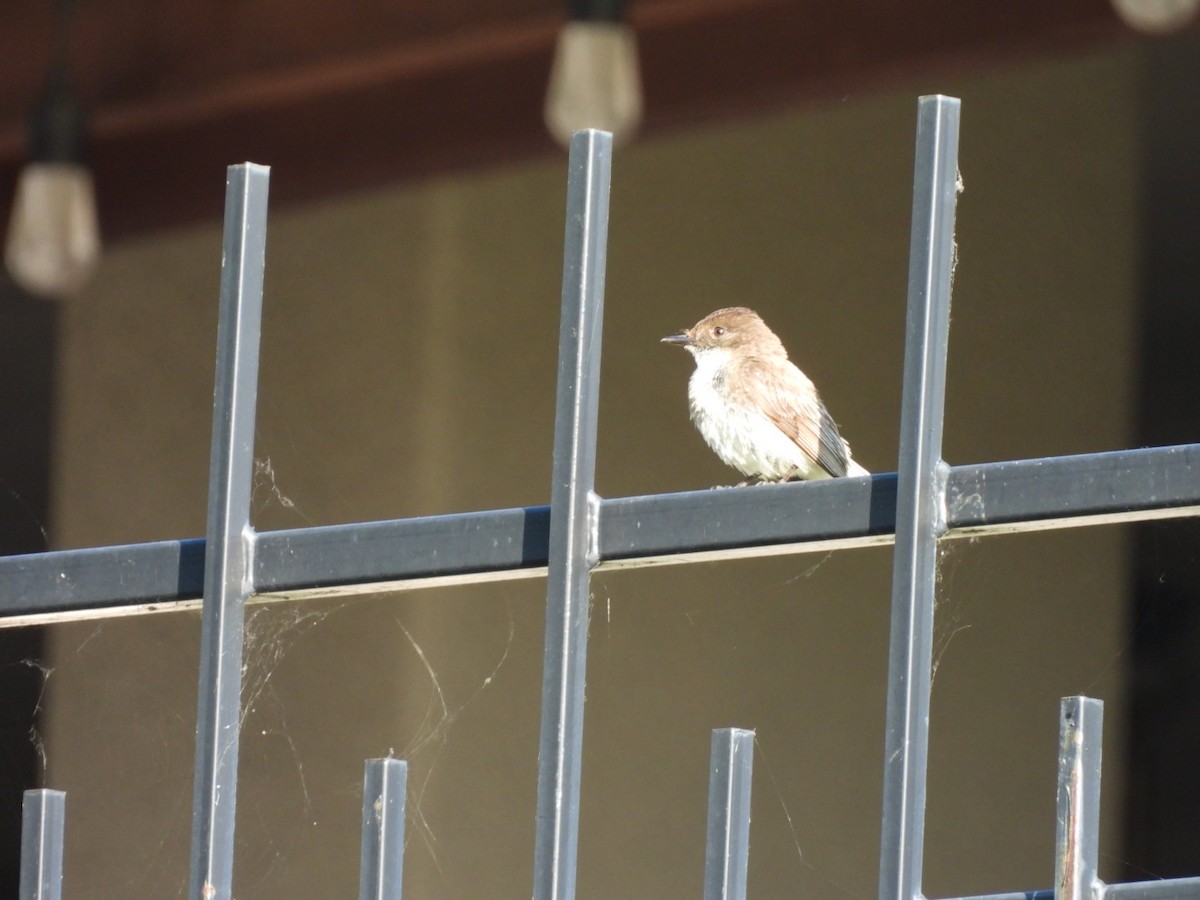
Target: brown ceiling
column 346, row 95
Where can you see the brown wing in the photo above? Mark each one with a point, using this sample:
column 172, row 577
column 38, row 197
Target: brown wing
column 791, row 401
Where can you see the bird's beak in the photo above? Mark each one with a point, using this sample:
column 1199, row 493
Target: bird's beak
column 683, row 338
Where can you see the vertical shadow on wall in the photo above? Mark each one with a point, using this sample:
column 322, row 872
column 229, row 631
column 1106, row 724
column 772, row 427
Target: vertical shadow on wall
column 1162, row 828
column 27, row 350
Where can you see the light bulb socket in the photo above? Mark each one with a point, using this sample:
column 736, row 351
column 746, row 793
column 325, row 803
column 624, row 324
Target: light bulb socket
column 594, row 10
column 57, row 126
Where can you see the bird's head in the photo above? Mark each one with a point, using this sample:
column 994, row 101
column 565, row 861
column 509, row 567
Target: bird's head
column 735, row 330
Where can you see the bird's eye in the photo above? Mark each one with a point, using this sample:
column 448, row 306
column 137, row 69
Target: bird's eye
column 718, row 331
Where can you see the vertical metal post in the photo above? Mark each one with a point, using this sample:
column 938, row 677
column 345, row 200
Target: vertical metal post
column 43, row 815
column 381, row 872
column 572, row 516
column 728, row 848
column 229, row 539
column 1081, row 724
column 920, row 489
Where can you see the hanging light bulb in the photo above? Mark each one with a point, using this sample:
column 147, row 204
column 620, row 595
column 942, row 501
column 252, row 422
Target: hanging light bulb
column 595, row 81
column 53, row 240
column 1156, row 16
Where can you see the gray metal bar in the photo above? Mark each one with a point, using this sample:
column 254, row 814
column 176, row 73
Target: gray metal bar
column 572, row 545
column 43, row 816
column 1077, row 846
column 989, row 498
column 1168, row 889
column 1172, row 889
column 501, row 541
column 381, row 872
column 920, row 513
column 1089, row 489
column 227, row 565
column 99, row 581
column 727, row 855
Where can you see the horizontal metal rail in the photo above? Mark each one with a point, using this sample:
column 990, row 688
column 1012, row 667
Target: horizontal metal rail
column 1172, row 889
column 338, row 560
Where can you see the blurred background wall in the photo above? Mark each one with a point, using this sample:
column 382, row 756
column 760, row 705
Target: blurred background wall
column 408, row 369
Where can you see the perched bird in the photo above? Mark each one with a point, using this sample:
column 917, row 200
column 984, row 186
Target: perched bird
column 754, row 408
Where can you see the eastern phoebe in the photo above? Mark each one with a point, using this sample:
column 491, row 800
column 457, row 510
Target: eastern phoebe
column 754, row 408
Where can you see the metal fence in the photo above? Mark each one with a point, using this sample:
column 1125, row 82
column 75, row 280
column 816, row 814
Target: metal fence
column 925, row 502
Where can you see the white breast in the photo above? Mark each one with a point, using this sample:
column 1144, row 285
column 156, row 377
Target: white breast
column 741, row 436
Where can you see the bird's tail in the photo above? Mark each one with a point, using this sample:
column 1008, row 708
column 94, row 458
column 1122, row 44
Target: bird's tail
column 854, row 470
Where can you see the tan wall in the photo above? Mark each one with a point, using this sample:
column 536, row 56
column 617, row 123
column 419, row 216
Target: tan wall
column 408, row 368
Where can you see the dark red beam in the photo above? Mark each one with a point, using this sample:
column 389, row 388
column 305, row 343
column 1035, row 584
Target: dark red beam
column 383, row 109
